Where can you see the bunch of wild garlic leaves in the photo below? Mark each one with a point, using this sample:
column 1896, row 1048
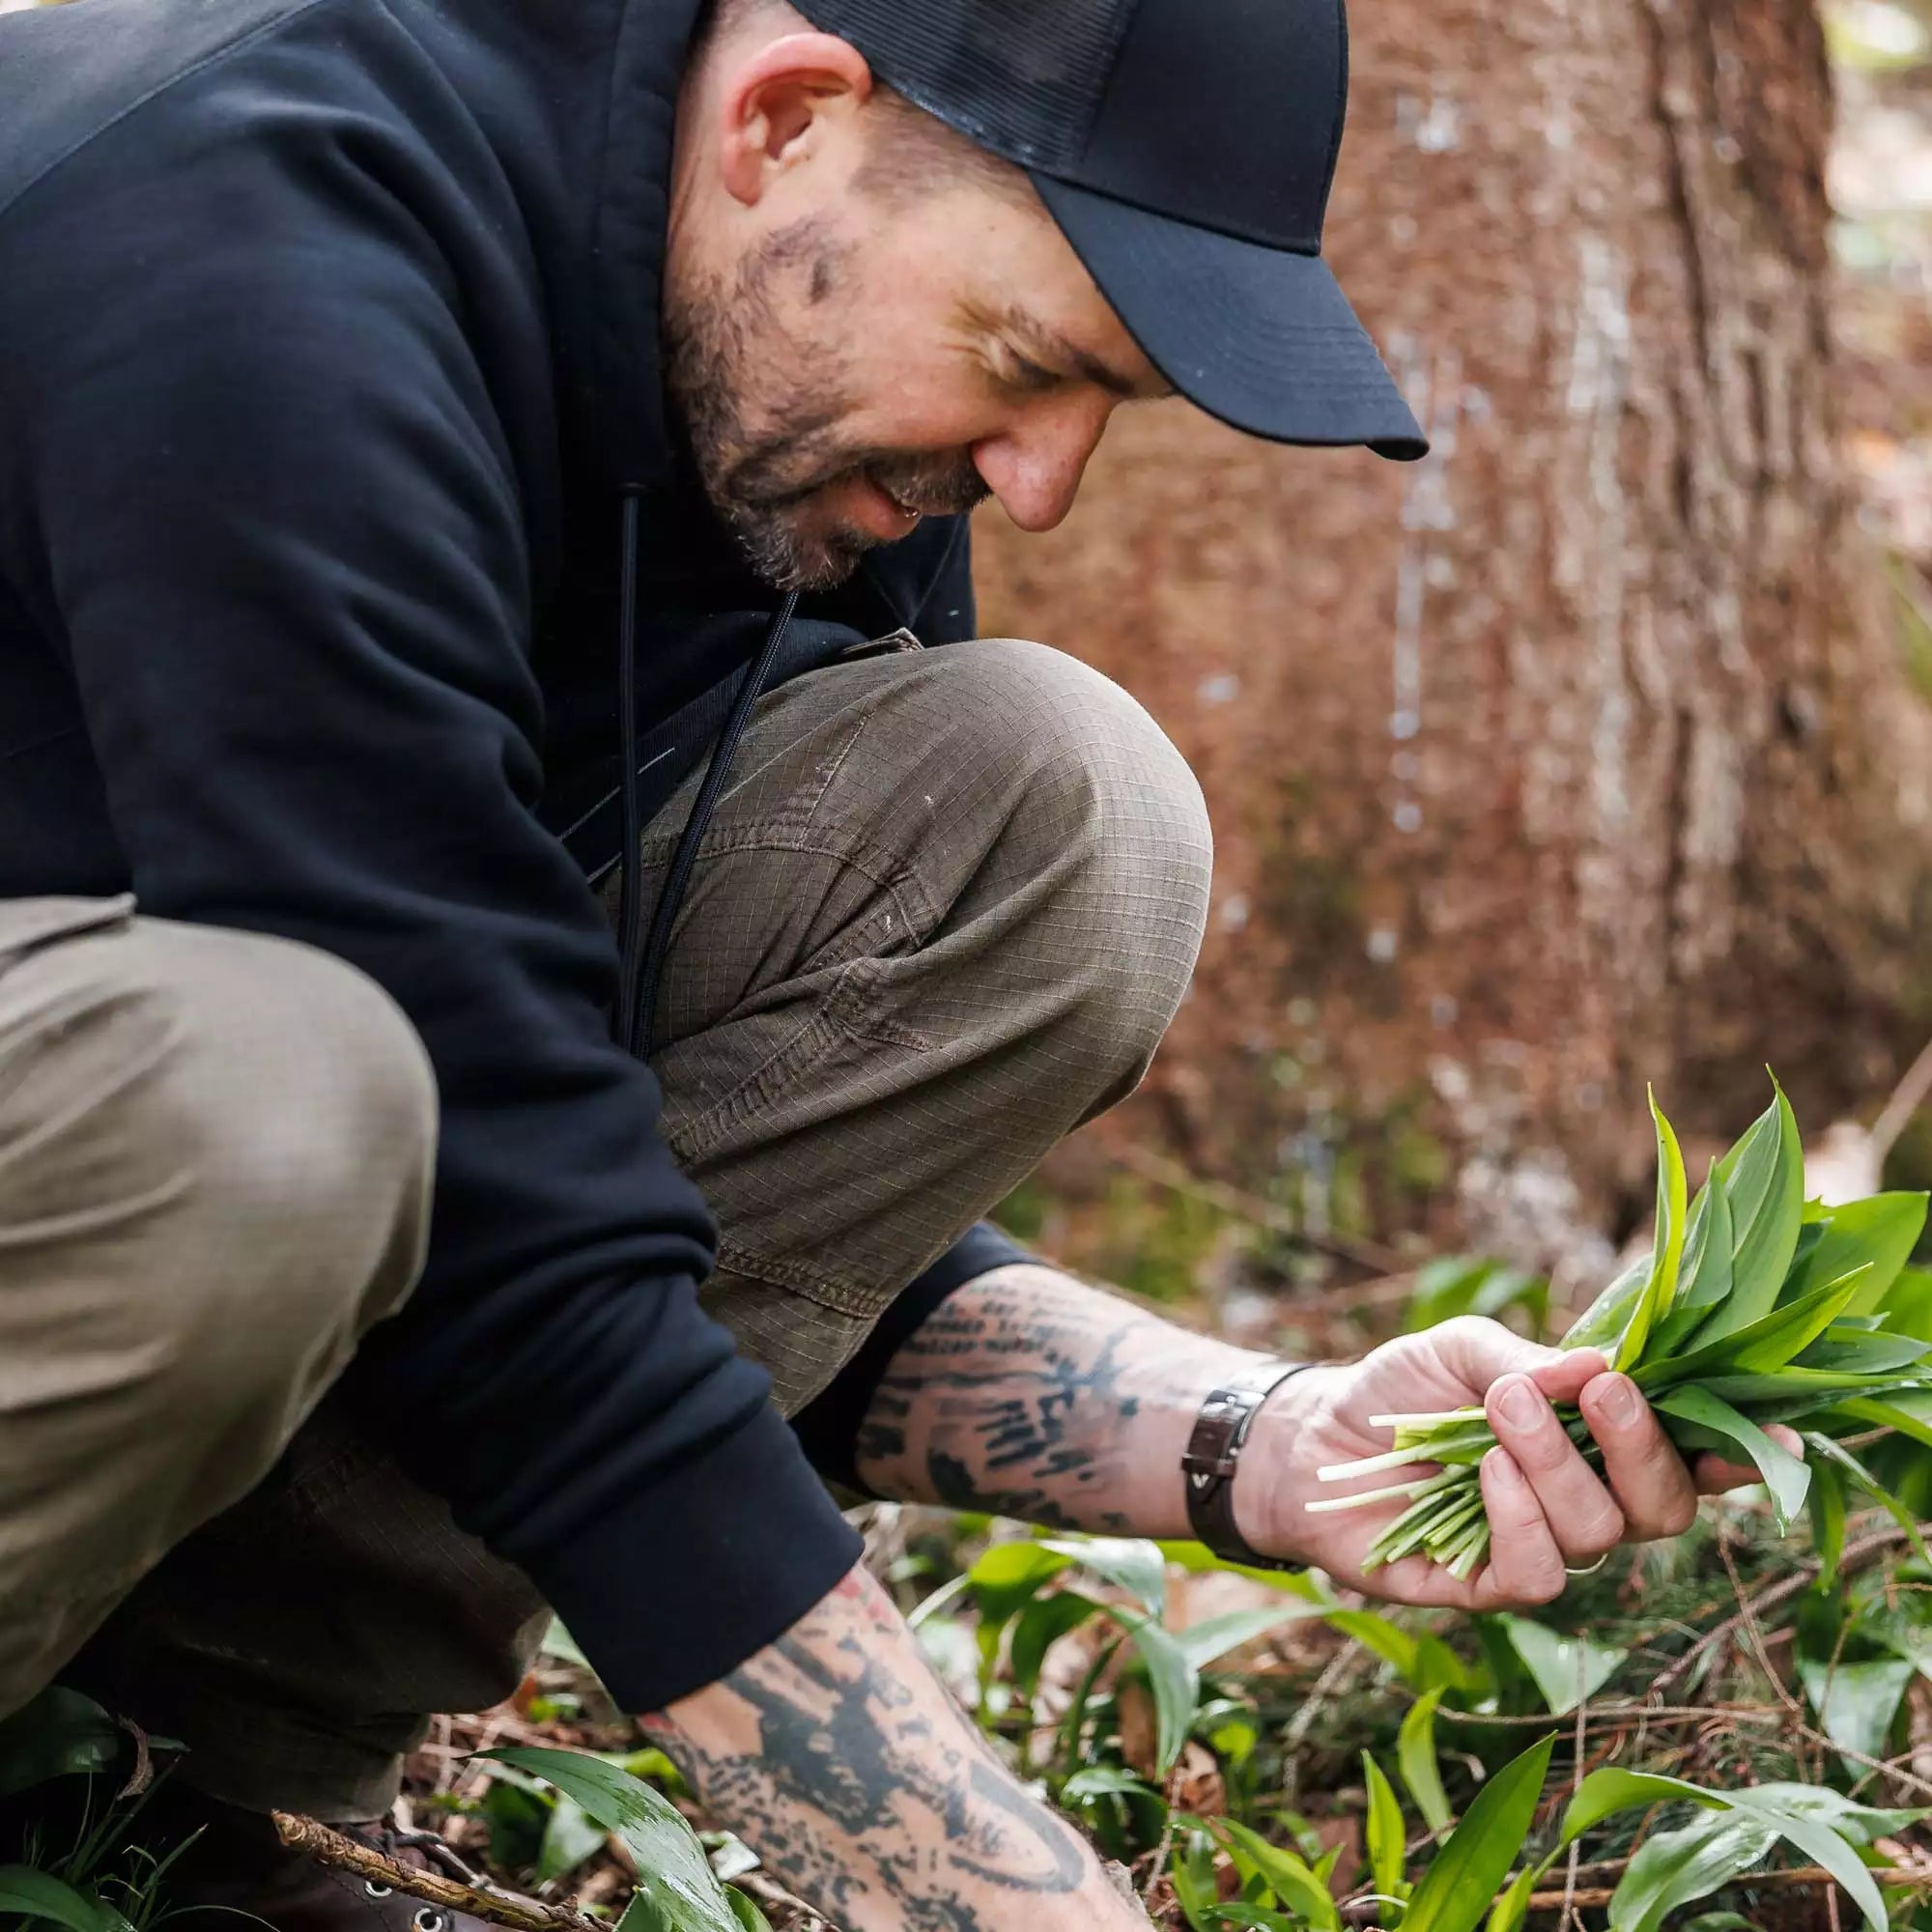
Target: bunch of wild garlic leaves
column 1753, row 1307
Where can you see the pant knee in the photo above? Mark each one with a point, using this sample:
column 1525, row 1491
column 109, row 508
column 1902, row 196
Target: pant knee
column 233, row 1139
column 314, row 1113
column 1107, row 820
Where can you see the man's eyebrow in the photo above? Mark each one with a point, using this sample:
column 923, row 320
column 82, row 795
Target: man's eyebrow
column 1053, row 348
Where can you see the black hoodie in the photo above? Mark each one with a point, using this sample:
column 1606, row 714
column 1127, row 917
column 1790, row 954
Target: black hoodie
column 327, row 349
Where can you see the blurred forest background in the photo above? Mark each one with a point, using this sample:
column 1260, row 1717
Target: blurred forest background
column 1594, row 751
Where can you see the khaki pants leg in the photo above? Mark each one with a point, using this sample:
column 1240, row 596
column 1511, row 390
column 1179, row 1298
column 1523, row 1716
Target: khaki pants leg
column 216, row 1156
column 945, row 913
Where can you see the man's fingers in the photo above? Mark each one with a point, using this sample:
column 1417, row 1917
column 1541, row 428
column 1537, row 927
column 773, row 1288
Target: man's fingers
column 1645, row 1473
column 1525, row 1567
column 1480, row 1353
column 1572, row 1371
column 1582, row 1513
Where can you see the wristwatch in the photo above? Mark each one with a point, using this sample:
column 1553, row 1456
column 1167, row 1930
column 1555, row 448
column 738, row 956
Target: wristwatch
column 1214, row 1451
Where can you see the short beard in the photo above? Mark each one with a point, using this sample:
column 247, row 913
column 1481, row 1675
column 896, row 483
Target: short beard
column 761, row 460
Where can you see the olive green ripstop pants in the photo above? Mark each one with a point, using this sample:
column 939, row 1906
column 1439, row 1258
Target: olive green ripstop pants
column 945, row 911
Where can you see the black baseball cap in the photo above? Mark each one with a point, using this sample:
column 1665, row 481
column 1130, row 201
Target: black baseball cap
column 1186, row 150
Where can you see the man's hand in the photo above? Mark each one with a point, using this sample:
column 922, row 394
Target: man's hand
column 1548, row 1510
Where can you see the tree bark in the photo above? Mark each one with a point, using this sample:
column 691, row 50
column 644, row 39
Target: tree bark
column 1579, row 756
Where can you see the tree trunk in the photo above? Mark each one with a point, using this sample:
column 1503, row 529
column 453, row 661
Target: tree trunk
column 1578, row 756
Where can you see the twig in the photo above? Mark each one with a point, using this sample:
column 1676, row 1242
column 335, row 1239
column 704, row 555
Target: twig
column 1630, row 1714
column 1855, row 1555
column 1333, row 1674
column 1747, row 1618
column 1171, row 1801
column 142, row 1773
column 787, row 1913
column 1570, row 1917
column 1801, row 1875
column 1906, row 1098
column 1251, row 1207
column 1827, row 1745
column 327, row 1847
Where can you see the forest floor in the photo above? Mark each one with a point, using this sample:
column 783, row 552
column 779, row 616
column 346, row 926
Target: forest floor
column 1716, row 1659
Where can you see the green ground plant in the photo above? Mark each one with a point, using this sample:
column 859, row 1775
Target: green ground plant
column 1753, row 1308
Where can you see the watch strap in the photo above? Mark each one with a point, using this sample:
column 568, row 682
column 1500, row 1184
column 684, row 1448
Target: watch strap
column 1215, row 1453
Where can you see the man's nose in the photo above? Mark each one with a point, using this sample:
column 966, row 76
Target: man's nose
column 1034, row 467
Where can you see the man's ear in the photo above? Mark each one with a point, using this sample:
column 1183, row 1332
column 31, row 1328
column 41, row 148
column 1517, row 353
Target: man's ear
column 777, row 104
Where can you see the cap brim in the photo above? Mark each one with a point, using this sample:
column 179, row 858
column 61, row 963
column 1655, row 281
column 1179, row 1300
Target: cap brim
column 1262, row 337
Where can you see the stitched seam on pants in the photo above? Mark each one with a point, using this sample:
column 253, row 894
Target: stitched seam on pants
column 886, row 868
column 844, row 1013
column 801, row 1278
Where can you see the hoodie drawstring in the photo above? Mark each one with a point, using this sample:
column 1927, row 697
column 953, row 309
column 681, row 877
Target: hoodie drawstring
column 642, row 955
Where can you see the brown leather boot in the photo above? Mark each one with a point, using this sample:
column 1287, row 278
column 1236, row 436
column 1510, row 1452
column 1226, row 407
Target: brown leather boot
column 237, row 1863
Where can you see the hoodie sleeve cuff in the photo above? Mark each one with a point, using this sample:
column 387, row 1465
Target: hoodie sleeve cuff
column 676, row 1589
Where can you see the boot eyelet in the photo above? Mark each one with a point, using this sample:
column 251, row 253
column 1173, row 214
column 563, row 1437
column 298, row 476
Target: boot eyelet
column 427, row 1919
column 376, row 1890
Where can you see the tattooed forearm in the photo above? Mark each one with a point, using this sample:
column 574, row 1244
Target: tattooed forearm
column 1032, row 1395
column 842, row 1760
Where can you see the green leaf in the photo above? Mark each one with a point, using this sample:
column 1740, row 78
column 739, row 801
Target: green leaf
column 1825, row 1450
column 1667, row 1249
column 1784, row 1475
column 558, row 1642
column 1612, row 1789
column 1105, row 1780
column 1878, row 1233
column 1567, row 1669
column 1856, row 1702
column 40, row 1894
column 1394, row 1645
column 1600, row 1324
column 1008, row 1577
column 1908, row 1304
column 1910, row 1414
column 1383, row 1833
column 1672, row 1868
column 1200, row 1561
column 1704, row 1282
column 1455, row 1892
column 1709, row 1249
column 37, row 1895
column 1823, row 1846
column 1174, row 1681
column 1828, row 1518
column 570, row 1837
column 676, row 1889
column 1136, row 1567
column 1214, row 1637
column 1040, row 1626
column 1415, row 1758
column 1192, row 1871
column 1764, row 1176
column 1843, row 1350
column 1851, row 1819
column 746, row 1910
column 1512, row 1907
column 1760, row 1348
column 1467, row 1285
column 54, row 1735
column 1290, row 1879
